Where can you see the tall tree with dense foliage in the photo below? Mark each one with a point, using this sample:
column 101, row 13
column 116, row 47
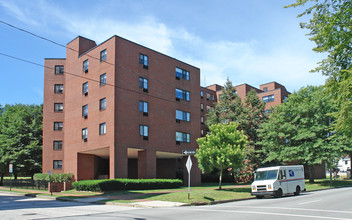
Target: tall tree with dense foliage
column 330, row 28
column 249, row 114
column 221, row 149
column 229, row 107
column 300, row 130
column 21, row 139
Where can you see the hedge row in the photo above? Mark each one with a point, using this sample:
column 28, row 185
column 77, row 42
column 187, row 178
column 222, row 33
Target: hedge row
column 55, row 177
column 125, row 184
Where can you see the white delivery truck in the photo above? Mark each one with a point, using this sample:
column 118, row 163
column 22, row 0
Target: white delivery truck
column 279, row 180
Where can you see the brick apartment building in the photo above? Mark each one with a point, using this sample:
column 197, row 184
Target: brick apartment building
column 119, row 110
column 271, row 93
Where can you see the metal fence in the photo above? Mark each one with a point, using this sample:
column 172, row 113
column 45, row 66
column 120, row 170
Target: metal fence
column 26, row 184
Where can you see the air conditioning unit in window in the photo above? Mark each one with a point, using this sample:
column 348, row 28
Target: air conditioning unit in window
column 145, row 90
column 86, row 93
column 85, row 139
column 178, row 120
column 177, row 99
column 145, row 138
column 178, row 142
column 86, row 70
column 85, row 116
column 145, row 114
column 145, row 67
column 177, row 77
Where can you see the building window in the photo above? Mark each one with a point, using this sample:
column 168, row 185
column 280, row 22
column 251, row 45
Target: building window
column 183, row 137
column 102, row 128
column 201, row 106
column 209, row 108
column 103, row 55
column 143, row 131
column 85, row 134
column 201, row 94
column 58, row 126
column 143, row 59
column 182, row 116
column 285, row 98
column 102, row 104
column 58, row 107
column 57, row 145
column 143, row 83
column 103, row 79
column 58, row 88
column 265, row 89
column 202, row 119
column 59, row 70
column 180, row 73
column 85, row 111
column 268, row 111
column 181, row 94
column 85, row 88
column 220, row 97
column 269, row 98
column 210, row 96
column 57, row 164
column 143, row 107
column 85, row 66
column 202, row 132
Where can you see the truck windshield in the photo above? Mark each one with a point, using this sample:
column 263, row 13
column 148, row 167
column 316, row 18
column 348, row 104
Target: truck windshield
column 266, row 175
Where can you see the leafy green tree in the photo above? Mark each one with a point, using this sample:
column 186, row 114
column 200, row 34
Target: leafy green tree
column 300, row 130
column 330, row 28
column 222, row 148
column 249, row 115
column 228, row 108
column 21, row 139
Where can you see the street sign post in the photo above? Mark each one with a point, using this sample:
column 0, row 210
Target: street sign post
column 10, row 171
column 189, row 166
column 49, row 174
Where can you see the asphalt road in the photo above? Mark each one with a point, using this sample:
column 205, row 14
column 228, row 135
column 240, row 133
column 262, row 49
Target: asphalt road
column 327, row 204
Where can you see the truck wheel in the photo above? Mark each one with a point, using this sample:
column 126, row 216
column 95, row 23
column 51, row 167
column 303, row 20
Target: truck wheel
column 278, row 193
column 259, row 197
column 298, row 191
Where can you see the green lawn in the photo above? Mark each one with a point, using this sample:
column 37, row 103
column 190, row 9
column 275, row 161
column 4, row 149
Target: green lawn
column 201, row 194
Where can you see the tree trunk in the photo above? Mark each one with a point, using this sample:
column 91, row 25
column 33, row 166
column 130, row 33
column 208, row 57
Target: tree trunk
column 220, row 179
column 311, row 173
column 2, row 179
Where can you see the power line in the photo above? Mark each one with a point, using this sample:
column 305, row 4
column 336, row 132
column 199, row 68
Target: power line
column 72, row 49
column 94, row 80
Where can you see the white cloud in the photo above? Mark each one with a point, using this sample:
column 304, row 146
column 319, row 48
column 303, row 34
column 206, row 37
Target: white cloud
column 242, row 62
column 18, row 12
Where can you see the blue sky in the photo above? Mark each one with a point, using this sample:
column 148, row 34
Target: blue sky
column 251, row 41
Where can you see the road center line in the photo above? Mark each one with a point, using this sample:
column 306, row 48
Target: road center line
column 309, row 202
column 263, row 213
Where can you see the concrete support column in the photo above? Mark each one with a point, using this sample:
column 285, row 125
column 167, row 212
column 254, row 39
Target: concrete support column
column 118, row 162
column 196, row 173
column 146, row 164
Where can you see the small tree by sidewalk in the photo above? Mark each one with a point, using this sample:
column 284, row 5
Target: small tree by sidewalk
column 221, row 149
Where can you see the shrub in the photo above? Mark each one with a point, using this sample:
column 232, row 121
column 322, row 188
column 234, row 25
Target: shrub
column 126, row 184
column 55, row 177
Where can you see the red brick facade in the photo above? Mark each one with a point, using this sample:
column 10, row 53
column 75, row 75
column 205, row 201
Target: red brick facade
column 118, row 150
